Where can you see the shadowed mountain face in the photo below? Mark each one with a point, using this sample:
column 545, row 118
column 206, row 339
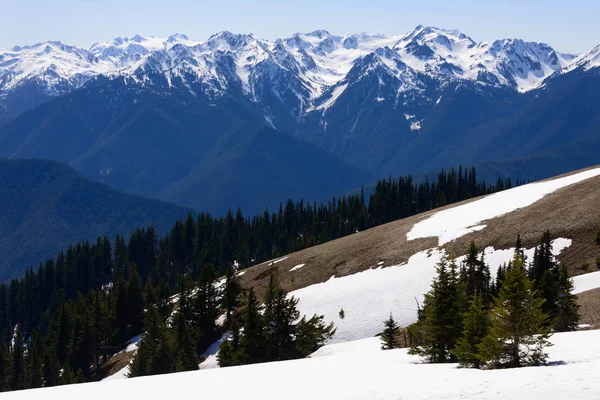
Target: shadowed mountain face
column 177, row 146
column 47, row 206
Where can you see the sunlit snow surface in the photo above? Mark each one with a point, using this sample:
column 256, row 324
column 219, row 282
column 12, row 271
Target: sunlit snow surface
column 360, row 370
column 369, row 297
column 586, row 282
column 455, row 222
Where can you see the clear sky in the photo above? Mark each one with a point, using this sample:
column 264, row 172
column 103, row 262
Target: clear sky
column 567, row 25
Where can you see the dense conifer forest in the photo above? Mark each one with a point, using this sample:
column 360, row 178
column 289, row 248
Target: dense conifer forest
column 59, row 323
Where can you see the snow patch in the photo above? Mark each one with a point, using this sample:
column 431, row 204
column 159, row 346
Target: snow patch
column 297, row 267
column 585, row 282
column 455, row 222
column 368, row 297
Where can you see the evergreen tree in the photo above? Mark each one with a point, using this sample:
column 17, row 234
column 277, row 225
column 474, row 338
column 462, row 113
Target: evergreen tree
column 518, row 333
column 135, row 301
column 19, row 368
column 275, row 335
column 187, row 359
column 476, row 326
column 231, row 293
column 388, row 337
column 253, row 340
column 476, row 274
column 441, row 326
column 567, row 318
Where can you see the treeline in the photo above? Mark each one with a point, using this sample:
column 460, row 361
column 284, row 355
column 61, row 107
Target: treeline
column 100, row 288
column 478, row 322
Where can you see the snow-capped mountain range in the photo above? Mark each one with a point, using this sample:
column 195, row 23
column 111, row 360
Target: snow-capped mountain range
column 304, row 72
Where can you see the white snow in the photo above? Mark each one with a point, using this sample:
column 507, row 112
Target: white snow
column 455, row 222
column 132, row 344
column 297, row 267
column 368, row 297
column 311, row 63
column 121, row 374
column 210, row 355
column 360, row 370
column 368, row 345
column 278, row 260
column 585, row 282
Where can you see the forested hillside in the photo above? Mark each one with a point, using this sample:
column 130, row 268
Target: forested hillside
column 80, row 307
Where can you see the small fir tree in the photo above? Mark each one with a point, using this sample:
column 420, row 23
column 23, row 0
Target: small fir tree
column 477, row 323
column 389, row 336
column 518, row 333
column 441, row 323
column 567, row 318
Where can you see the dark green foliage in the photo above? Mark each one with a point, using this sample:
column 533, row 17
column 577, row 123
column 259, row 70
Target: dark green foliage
column 552, row 282
column 156, row 352
column 519, row 331
column 476, row 327
column 441, row 324
column 273, row 335
column 231, row 293
column 476, row 274
column 389, row 336
column 567, row 317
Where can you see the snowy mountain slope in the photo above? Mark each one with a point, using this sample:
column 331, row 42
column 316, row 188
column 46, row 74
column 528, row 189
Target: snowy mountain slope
column 360, row 370
column 297, row 71
column 392, row 266
column 357, row 293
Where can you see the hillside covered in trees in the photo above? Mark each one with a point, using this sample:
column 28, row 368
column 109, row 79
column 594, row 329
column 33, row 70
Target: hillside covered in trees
column 79, row 308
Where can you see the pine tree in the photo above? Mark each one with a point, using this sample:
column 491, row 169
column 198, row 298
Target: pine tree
column 35, row 361
column 389, row 336
column 275, row 335
column 518, row 333
column 441, row 324
column 253, row 339
column 231, row 293
column 135, row 301
column 19, row 367
column 476, row 274
column 476, row 324
column 6, row 368
column 567, row 318
column 187, row 357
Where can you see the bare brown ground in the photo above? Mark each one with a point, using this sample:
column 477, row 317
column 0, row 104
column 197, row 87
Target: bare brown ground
column 572, row 212
column 589, row 308
column 113, row 365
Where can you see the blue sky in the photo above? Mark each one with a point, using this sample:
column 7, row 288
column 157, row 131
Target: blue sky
column 569, row 26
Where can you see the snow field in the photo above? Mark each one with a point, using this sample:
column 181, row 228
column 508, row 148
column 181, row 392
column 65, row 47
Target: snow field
column 455, row 222
column 359, row 370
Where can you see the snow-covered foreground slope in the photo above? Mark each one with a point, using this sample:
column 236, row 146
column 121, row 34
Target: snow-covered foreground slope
column 361, row 371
